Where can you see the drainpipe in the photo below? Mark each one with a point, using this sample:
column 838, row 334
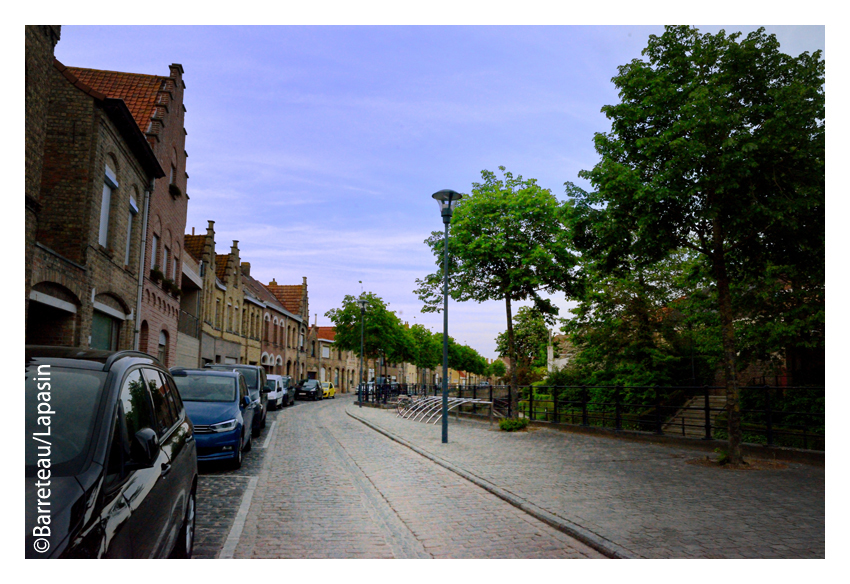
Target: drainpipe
column 137, row 330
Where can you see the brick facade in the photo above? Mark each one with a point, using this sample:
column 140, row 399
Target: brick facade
column 84, row 267
column 40, row 42
column 156, row 103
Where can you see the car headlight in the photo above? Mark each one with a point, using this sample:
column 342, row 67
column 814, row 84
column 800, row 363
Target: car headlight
column 224, row 426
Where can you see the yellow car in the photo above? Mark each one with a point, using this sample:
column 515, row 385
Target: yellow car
column 328, row 390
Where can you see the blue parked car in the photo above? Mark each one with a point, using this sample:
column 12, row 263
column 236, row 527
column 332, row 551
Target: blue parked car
column 221, row 409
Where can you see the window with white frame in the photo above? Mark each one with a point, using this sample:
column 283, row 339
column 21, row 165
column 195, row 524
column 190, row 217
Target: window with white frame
column 110, row 184
column 134, row 209
column 154, row 250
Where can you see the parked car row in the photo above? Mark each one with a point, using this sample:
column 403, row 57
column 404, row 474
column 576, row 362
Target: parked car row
column 111, row 457
column 117, row 438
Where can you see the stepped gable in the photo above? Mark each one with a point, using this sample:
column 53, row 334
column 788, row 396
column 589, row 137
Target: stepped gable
column 289, row 296
column 147, row 96
column 194, row 244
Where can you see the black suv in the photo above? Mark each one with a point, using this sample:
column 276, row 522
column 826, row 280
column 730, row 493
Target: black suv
column 308, row 389
column 255, row 378
column 111, row 462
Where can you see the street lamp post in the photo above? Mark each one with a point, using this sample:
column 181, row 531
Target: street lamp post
column 444, row 199
column 362, row 303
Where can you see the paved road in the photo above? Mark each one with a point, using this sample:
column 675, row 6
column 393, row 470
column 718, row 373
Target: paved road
column 328, row 486
column 645, row 500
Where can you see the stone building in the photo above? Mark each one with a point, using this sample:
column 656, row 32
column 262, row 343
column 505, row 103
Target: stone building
column 278, row 347
column 230, row 321
column 96, row 170
column 295, row 301
column 156, row 104
column 326, row 362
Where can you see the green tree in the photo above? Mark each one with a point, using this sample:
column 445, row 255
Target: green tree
column 507, row 243
column 531, row 338
column 383, row 332
column 497, row 369
column 428, row 349
column 717, row 147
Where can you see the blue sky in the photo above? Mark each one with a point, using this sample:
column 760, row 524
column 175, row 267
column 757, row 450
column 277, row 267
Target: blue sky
column 318, row 147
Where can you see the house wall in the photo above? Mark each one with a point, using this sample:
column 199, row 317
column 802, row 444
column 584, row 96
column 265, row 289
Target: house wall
column 167, row 214
column 80, row 140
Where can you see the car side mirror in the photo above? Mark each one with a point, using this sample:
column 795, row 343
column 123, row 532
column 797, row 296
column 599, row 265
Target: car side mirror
column 246, row 401
column 144, row 450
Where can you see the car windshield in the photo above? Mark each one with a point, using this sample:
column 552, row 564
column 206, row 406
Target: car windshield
column 249, row 372
column 308, row 383
column 61, row 405
column 206, row 388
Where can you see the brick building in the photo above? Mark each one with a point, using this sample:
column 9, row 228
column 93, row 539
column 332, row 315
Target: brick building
column 278, row 344
column 156, row 105
column 40, row 42
column 230, row 322
column 96, row 169
column 295, row 301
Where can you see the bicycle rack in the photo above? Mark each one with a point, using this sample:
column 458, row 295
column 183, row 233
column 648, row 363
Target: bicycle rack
column 427, row 407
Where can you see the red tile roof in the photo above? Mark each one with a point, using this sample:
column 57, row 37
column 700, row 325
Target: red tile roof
column 289, row 296
column 260, row 291
column 221, row 265
column 194, row 244
column 326, row 332
column 138, row 91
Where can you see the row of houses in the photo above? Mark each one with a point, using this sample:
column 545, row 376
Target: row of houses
column 109, row 264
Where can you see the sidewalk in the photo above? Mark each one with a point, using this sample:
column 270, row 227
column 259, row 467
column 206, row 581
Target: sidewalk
column 629, row 499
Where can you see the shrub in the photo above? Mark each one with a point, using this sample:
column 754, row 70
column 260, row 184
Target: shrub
column 513, row 424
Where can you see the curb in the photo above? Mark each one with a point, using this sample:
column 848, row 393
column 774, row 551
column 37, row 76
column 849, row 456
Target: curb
column 594, row 540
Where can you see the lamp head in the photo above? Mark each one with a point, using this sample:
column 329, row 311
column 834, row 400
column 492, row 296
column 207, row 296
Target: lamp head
column 444, row 199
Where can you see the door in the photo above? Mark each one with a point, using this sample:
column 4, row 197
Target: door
column 144, row 494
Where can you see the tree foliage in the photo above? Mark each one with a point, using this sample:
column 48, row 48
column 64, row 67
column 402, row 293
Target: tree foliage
column 507, row 242
column 383, row 332
column 717, row 147
column 531, row 337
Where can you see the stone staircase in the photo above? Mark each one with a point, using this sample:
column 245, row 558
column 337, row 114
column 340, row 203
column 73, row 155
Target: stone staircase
column 690, row 420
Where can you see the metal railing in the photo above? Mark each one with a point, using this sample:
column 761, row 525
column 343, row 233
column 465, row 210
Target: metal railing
column 776, row 416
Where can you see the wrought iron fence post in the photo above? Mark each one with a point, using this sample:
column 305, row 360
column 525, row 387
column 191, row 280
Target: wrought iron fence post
column 474, row 396
column 510, row 399
column 530, row 403
column 769, row 417
column 584, row 421
column 707, row 412
column 658, row 429
column 618, row 423
column 555, row 405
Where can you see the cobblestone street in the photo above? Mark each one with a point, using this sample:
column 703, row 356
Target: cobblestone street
column 328, row 486
column 638, row 499
column 321, row 483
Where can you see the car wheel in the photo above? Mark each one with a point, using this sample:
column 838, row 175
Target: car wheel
column 249, row 444
column 263, row 423
column 255, row 432
column 186, row 540
column 237, row 459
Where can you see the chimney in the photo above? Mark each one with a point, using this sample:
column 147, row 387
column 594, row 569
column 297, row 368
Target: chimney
column 193, row 231
column 246, row 268
column 273, row 283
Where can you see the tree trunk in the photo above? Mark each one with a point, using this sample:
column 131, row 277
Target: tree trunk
column 512, row 358
column 727, row 329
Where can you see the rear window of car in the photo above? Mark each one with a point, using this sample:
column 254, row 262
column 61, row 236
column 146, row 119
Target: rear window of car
column 206, row 388
column 74, row 395
column 250, row 373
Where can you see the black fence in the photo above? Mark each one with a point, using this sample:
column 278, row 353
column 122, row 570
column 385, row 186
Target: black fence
column 776, row 416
